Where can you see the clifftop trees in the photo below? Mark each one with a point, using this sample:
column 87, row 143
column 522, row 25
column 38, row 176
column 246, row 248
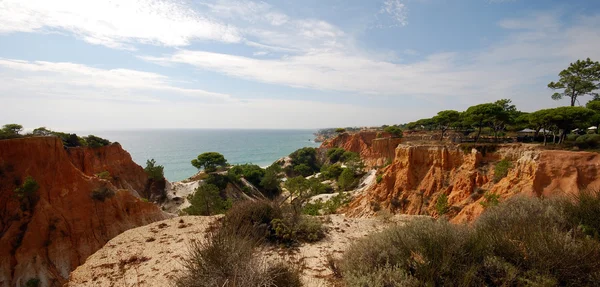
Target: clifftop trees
column 445, row 119
column 209, row 161
column 483, row 115
column 579, row 79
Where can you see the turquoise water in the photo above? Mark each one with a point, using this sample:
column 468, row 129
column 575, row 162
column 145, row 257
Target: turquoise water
column 174, row 149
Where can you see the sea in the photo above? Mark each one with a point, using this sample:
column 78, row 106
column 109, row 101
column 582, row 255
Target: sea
column 174, row 149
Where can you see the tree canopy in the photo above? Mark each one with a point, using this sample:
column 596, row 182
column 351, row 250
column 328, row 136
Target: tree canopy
column 394, row 131
column 579, row 79
column 209, row 161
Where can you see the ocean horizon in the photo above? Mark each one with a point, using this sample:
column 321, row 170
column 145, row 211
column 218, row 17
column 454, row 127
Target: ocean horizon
column 175, row 148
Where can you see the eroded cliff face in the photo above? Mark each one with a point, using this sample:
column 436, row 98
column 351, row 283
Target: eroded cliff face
column 72, row 214
column 374, row 148
column 420, row 174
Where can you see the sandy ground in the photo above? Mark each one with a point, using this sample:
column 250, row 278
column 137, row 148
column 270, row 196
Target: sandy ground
column 151, row 255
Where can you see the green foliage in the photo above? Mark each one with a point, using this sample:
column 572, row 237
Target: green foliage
column 483, row 115
column 441, row 205
column 302, row 188
column 583, row 210
column 522, row 242
column 340, row 130
column 335, row 154
column 251, row 172
column 28, row 188
column 102, row 193
column 271, row 181
column 394, row 131
column 94, row 141
column 42, row 131
column 501, row 169
column 331, row 171
column 275, row 223
column 589, row 141
column 490, row 199
column 330, row 206
column 579, row 79
column 10, row 131
column 207, row 201
column 154, row 171
column 303, row 170
column 209, row 161
column 346, row 180
column 305, row 156
column 379, row 178
column 33, row 282
column 103, row 175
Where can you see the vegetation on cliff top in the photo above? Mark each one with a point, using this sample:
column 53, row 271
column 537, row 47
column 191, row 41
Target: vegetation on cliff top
column 521, row 242
column 10, row 131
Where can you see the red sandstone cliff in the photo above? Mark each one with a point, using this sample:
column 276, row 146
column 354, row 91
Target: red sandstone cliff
column 374, row 148
column 64, row 225
column 420, row 174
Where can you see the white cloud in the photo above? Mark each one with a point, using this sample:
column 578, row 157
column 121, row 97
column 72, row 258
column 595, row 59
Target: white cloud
column 115, row 24
column 397, row 10
column 52, row 80
column 512, row 68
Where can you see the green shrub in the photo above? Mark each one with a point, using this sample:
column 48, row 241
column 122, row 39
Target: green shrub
column 583, row 211
column 313, row 208
column 521, row 242
column 94, row 141
column 306, row 156
column 303, row 170
column 154, row 171
column 271, row 181
column 441, row 205
column 331, row 171
column 379, row 178
column 251, row 172
column 28, row 188
column 271, row 222
column 326, row 207
column 490, row 199
column 33, row 282
column 207, row 201
column 346, row 180
column 335, row 154
column 394, row 130
column 589, row 141
column 230, row 260
column 102, row 193
column 501, row 169
column 218, row 180
column 103, row 175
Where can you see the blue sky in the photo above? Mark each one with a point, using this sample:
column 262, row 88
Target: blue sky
column 73, row 64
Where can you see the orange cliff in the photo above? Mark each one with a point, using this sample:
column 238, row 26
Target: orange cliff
column 421, row 173
column 62, row 224
column 374, row 148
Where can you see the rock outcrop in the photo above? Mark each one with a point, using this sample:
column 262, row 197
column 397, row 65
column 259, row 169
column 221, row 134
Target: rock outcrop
column 374, row 148
column 420, row 174
column 73, row 213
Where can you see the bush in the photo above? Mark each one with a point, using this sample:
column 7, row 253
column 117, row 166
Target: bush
column 33, row 282
column 271, row 181
column 331, row 171
column 154, row 171
column 394, row 130
column 441, row 205
column 521, row 242
column 303, row 170
column 207, row 201
column 102, row 193
column 306, row 156
column 335, row 154
column 28, row 188
column 265, row 220
column 379, row 178
column 490, row 199
column 230, row 260
column 328, row 207
column 501, row 169
column 583, row 211
column 218, row 180
column 103, row 175
column 251, row 172
column 590, row 141
column 94, row 141
column 346, row 180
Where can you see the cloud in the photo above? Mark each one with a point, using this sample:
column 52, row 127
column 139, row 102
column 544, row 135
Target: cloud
column 396, row 10
column 56, row 80
column 513, row 68
column 116, row 24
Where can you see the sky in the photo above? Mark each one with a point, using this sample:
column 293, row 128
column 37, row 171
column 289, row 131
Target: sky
column 286, row 64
